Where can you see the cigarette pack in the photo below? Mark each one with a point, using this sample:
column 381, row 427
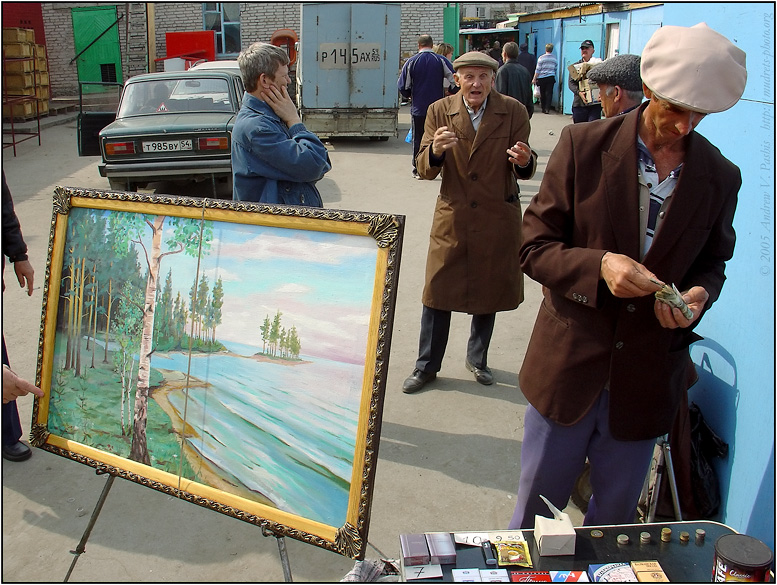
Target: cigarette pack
column 569, row 577
column 494, row 576
column 414, row 549
column 612, row 572
column 466, row 575
column 649, row 571
column 442, row 549
column 530, row 576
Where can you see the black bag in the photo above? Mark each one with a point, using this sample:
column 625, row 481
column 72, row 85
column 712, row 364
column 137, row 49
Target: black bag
column 705, row 445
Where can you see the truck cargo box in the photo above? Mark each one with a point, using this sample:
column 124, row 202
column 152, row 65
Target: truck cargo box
column 347, row 69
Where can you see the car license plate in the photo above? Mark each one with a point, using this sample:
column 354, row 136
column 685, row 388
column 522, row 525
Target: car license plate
column 167, row 145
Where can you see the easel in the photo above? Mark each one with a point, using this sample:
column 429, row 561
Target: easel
column 81, row 548
column 660, row 464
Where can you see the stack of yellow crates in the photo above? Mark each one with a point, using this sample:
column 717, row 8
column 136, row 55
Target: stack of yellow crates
column 19, row 83
column 42, row 91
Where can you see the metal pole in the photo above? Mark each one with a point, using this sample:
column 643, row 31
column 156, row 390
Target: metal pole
column 672, row 482
column 660, row 465
column 81, row 548
column 284, row 559
column 282, row 550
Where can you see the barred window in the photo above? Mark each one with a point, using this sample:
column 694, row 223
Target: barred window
column 224, row 18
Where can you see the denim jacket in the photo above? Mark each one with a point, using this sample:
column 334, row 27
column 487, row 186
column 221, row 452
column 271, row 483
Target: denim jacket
column 272, row 163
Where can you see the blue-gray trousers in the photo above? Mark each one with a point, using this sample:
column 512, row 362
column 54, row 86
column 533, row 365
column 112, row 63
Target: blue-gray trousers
column 553, row 456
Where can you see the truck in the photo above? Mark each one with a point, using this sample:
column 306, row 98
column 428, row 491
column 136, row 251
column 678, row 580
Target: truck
column 347, row 68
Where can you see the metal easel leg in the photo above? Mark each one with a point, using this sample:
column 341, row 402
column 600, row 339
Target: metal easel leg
column 81, row 548
column 283, row 553
column 662, row 460
column 653, row 490
column 672, row 481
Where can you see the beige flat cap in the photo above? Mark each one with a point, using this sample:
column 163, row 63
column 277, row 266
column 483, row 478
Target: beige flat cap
column 694, row 67
column 475, row 59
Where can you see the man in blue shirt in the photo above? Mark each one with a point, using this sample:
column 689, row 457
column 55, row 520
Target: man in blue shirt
column 275, row 159
column 422, row 80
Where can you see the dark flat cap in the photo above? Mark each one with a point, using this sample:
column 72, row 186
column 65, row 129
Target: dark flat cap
column 621, row 70
column 475, row 59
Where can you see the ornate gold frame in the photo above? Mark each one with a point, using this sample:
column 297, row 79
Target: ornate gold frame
column 350, row 539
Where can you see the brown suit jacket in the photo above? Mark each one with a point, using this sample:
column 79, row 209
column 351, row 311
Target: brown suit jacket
column 584, row 337
column 472, row 265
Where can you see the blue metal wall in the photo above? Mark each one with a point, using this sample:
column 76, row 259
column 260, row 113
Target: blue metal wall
column 636, row 27
column 736, row 359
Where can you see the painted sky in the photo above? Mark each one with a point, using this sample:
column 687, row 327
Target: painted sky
column 321, row 282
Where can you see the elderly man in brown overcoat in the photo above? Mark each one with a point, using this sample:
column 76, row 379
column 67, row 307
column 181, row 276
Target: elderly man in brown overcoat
column 626, row 205
column 478, row 139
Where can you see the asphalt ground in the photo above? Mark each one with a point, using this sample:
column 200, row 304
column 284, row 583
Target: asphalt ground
column 449, row 456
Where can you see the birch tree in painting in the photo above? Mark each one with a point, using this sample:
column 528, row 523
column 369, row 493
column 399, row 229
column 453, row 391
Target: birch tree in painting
column 189, row 236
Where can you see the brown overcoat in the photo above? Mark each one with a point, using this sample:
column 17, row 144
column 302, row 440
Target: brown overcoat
column 585, row 338
column 472, row 265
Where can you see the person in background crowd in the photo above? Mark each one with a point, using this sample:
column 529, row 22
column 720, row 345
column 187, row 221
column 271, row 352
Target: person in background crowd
column 526, row 59
column 421, row 80
column 619, row 82
column 582, row 111
column 625, row 205
column 15, row 249
column 545, row 77
column 478, row 140
column 446, row 50
column 495, row 52
column 275, row 159
column 514, row 79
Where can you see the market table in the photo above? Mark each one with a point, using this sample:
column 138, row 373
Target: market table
column 690, row 561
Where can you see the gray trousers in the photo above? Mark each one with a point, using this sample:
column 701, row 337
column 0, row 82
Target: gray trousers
column 553, row 455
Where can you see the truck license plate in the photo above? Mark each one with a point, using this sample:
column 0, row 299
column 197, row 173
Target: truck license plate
column 167, row 145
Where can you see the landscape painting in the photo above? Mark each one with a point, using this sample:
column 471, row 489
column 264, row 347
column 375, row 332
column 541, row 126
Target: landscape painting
column 232, row 354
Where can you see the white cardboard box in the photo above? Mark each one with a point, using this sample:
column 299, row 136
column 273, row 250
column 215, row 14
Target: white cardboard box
column 554, row 536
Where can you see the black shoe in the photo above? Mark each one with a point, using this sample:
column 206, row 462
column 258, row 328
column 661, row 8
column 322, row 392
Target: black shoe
column 17, row 452
column 482, row 375
column 417, row 380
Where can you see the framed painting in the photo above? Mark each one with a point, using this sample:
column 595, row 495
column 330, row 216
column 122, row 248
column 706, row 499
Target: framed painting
column 230, row 354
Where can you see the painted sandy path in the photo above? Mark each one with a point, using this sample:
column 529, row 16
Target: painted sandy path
column 207, row 473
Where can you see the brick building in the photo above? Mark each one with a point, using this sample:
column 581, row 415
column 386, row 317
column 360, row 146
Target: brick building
column 132, row 34
column 138, row 32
